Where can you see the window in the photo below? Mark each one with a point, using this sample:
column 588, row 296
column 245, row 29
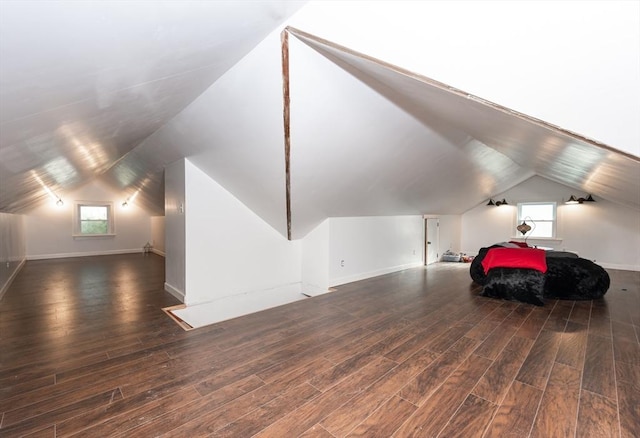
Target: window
column 93, row 219
column 541, row 216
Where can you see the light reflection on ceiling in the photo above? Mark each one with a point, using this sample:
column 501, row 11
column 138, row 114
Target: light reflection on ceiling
column 71, row 108
column 47, row 190
column 61, row 171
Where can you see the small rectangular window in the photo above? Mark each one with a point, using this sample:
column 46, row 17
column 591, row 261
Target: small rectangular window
column 93, row 219
column 541, row 216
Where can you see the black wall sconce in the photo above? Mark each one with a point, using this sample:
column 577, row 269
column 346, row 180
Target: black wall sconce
column 497, row 203
column 573, row 200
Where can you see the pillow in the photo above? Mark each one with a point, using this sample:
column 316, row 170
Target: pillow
column 507, row 245
column 552, row 254
column 530, row 258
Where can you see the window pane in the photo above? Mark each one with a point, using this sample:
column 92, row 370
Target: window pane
column 93, row 212
column 94, row 227
column 537, row 211
column 542, row 229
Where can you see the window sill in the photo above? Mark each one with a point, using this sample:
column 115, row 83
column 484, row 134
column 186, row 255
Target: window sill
column 92, row 236
column 548, row 239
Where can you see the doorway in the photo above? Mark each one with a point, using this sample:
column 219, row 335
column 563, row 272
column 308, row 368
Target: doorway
column 432, row 240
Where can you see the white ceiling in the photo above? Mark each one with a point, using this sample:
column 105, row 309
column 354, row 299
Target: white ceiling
column 443, row 150
column 83, row 83
column 117, row 90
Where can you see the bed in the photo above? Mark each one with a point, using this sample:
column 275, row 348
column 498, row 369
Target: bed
column 517, row 272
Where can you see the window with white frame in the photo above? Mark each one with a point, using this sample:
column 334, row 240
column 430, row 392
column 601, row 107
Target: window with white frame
column 541, row 216
column 93, row 219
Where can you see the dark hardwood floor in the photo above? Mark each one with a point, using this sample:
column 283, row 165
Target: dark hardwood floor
column 87, row 351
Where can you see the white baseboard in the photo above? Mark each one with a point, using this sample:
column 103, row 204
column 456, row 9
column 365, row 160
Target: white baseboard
column 175, row 292
column 228, row 307
column 158, row 252
column 364, row 275
column 13, row 275
column 83, row 254
column 620, row 267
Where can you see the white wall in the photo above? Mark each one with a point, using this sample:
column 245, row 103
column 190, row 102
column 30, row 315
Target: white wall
column 315, row 260
column 363, row 247
column 157, row 234
column 603, row 231
column 484, row 225
column 49, row 228
column 231, row 252
column 229, row 249
column 175, row 243
column 234, row 132
column 12, row 248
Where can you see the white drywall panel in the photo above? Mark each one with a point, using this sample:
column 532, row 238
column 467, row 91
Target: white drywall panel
column 157, row 234
column 229, row 249
column 234, row 133
column 175, row 243
column 12, row 248
column 315, row 260
column 363, row 247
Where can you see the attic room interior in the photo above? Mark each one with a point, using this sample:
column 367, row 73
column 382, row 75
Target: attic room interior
column 225, row 218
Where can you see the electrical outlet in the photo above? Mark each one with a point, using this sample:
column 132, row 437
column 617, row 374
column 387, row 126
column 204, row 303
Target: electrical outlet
column 7, row 264
column 342, row 263
column 414, row 252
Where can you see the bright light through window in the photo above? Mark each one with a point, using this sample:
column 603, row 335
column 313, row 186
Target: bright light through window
column 541, row 216
column 93, row 219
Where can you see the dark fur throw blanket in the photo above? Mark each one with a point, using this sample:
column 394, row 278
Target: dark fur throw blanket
column 567, row 277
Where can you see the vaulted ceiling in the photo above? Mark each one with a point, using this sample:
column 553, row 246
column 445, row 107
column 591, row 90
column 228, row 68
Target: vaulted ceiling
column 387, row 116
column 82, row 84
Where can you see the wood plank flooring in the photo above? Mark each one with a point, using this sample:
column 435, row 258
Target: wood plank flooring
column 86, row 351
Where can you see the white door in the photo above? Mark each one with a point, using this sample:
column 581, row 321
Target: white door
column 433, row 240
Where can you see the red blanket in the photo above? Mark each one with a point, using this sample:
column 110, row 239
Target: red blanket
column 529, row 258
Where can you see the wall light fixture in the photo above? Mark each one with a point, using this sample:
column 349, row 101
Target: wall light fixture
column 497, row 203
column 573, row 200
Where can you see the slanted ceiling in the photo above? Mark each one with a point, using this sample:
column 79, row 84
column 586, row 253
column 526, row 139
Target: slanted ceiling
column 82, row 84
column 112, row 92
column 444, row 150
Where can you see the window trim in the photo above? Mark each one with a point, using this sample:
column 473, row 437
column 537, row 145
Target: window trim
column 554, row 221
column 77, row 233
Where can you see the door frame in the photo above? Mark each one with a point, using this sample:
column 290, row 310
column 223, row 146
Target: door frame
column 426, row 240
